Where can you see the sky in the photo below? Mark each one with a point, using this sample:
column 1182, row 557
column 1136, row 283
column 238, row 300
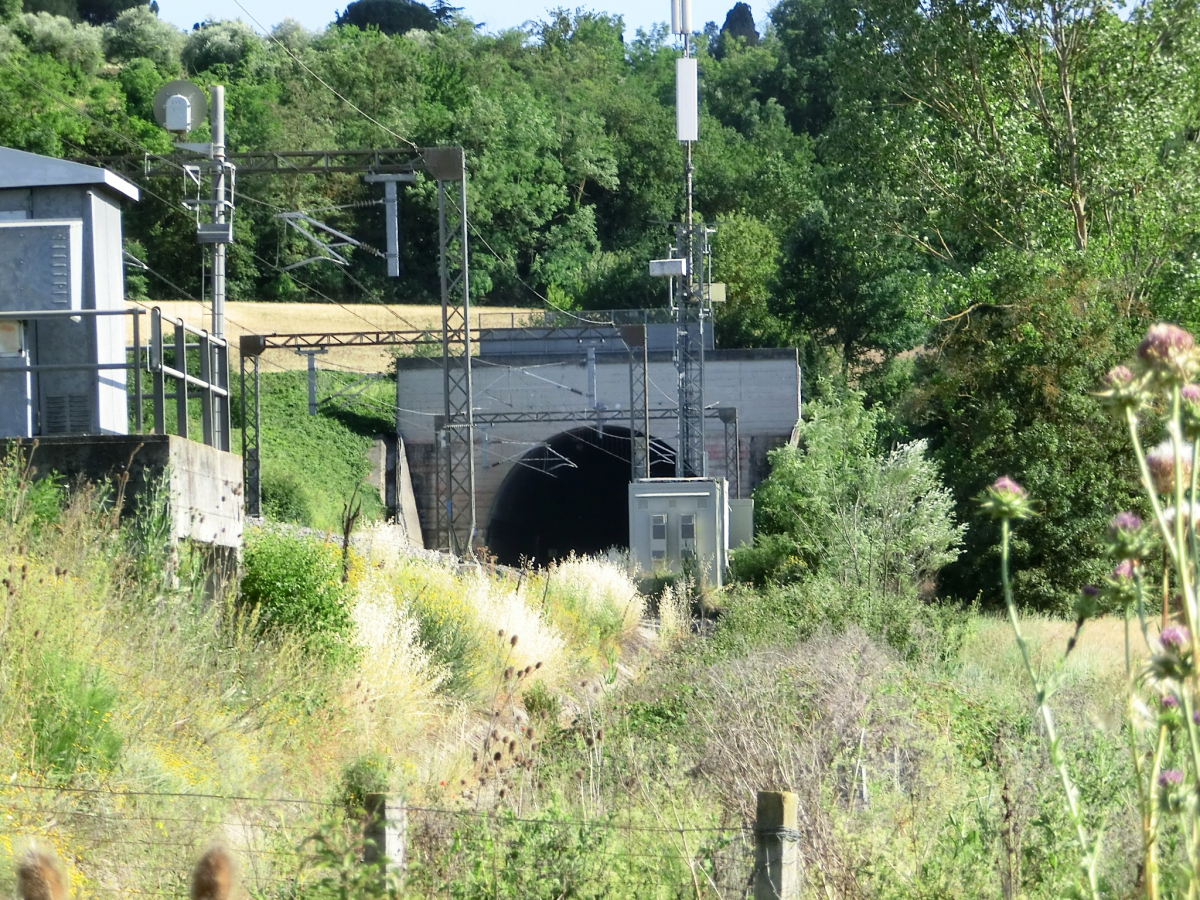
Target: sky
column 495, row 14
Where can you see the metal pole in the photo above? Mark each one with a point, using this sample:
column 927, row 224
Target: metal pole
column 217, row 117
column 391, row 211
column 137, row 369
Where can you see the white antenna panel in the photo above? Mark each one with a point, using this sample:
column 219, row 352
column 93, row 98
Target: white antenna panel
column 687, row 100
column 685, row 16
column 676, row 17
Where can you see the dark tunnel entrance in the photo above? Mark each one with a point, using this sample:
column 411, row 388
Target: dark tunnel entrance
column 569, row 494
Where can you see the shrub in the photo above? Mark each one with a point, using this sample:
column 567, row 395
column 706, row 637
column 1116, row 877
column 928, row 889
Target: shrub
column 285, row 499
column 366, row 774
column 294, row 584
column 1009, row 392
column 871, row 522
column 448, row 632
column 71, row 709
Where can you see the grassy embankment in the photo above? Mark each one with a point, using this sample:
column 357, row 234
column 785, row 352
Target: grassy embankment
column 919, row 767
column 132, row 708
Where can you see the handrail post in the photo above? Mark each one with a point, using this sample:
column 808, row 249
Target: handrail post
column 206, row 395
column 224, row 419
column 181, row 385
column 137, row 369
column 157, row 379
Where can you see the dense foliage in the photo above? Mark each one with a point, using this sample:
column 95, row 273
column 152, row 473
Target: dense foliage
column 1007, row 188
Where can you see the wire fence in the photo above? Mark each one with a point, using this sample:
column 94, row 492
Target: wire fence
column 133, row 843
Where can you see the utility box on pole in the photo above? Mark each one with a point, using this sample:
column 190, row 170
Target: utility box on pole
column 60, row 251
column 678, row 523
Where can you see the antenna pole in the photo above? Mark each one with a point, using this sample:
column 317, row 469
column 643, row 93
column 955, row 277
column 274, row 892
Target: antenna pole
column 217, row 93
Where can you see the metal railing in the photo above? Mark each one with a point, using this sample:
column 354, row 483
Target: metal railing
column 211, row 384
column 208, row 355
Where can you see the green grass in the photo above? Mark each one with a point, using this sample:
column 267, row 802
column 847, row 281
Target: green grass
column 312, row 464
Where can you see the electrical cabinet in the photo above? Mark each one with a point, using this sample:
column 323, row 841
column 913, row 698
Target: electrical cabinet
column 678, row 525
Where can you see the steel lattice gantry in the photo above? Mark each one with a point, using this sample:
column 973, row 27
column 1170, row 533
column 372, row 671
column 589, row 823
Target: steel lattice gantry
column 456, row 524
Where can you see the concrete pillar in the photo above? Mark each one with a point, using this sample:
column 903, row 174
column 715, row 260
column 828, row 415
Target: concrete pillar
column 776, row 847
column 385, row 831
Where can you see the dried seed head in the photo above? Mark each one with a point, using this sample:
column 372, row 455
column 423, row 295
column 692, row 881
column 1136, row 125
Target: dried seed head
column 215, row 875
column 500, row 632
column 497, row 756
column 513, row 641
column 537, row 665
column 40, row 877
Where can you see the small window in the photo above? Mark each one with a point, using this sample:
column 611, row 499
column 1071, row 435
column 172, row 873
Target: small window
column 658, row 528
column 12, row 338
column 687, row 528
column 643, row 503
column 658, row 554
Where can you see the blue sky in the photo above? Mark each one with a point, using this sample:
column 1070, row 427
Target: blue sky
column 496, row 14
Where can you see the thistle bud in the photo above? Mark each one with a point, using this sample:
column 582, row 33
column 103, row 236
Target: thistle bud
column 1123, row 390
column 1190, row 395
column 1168, row 353
column 1005, row 499
column 1127, row 537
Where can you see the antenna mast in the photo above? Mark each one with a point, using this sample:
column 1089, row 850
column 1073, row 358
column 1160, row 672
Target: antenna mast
column 691, row 243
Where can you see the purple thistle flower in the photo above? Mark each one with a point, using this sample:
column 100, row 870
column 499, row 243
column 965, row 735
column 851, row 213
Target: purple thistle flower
column 1123, row 570
column 1090, row 590
column 1190, row 393
column 1170, row 701
column 1196, row 716
column 1169, row 778
column 1164, row 344
column 1005, row 485
column 1118, row 376
column 1123, row 523
column 1174, row 637
column 1161, row 463
column 1005, row 499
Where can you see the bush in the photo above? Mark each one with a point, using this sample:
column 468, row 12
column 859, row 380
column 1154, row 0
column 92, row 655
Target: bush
column 367, row 774
column 285, row 499
column 71, row 709
column 294, row 585
column 870, row 522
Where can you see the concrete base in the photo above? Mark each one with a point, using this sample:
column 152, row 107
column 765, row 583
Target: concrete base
column 204, row 484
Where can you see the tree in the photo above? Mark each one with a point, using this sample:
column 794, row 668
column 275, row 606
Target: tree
column 1007, row 392
column 225, row 43
column 137, row 32
column 390, row 16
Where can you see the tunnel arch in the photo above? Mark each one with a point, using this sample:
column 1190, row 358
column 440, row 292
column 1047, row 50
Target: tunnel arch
column 569, row 494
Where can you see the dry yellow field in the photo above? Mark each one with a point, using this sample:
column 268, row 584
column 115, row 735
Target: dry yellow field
column 289, row 318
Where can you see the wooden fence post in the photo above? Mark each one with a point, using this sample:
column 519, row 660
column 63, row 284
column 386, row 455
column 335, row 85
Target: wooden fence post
column 776, row 847
column 386, row 830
